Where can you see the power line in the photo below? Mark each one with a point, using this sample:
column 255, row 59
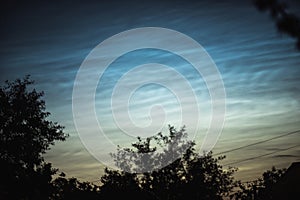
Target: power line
column 260, row 156
column 244, row 160
column 259, row 142
column 249, row 145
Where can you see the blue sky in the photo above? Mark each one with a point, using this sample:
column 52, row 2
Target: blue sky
column 258, row 65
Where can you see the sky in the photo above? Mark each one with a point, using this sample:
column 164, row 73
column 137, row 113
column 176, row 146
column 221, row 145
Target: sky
column 258, row 66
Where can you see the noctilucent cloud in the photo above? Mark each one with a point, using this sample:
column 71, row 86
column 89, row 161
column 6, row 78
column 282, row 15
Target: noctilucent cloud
column 259, row 67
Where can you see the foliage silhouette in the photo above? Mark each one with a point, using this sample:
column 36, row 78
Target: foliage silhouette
column 262, row 188
column 190, row 176
column 24, row 125
column 286, row 22
column 69, row 189
column 25, row 134
column 179, row 171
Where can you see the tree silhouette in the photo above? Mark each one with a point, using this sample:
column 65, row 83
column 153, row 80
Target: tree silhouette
column 25, row 134
column 70, row 189
column 189, row 176
column 262, row 188
column 286, row 22
column 158, row 167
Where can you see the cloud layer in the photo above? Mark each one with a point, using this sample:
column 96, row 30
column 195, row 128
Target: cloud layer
column 259, row 67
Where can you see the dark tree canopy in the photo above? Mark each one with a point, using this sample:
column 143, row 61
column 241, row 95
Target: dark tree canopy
column 71, row 188
column 262, row 188
column 25, row 134
column 24, row 124
column 286, row 22
column 189, row 176
column 158, row 167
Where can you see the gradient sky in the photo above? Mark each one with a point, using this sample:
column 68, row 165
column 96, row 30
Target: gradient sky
column 259, row 67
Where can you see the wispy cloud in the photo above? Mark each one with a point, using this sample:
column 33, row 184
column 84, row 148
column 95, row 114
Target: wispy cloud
column 260, row 69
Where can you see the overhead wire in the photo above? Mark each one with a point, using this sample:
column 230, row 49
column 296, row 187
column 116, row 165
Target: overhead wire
column 260, row 156
column 259, row 142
